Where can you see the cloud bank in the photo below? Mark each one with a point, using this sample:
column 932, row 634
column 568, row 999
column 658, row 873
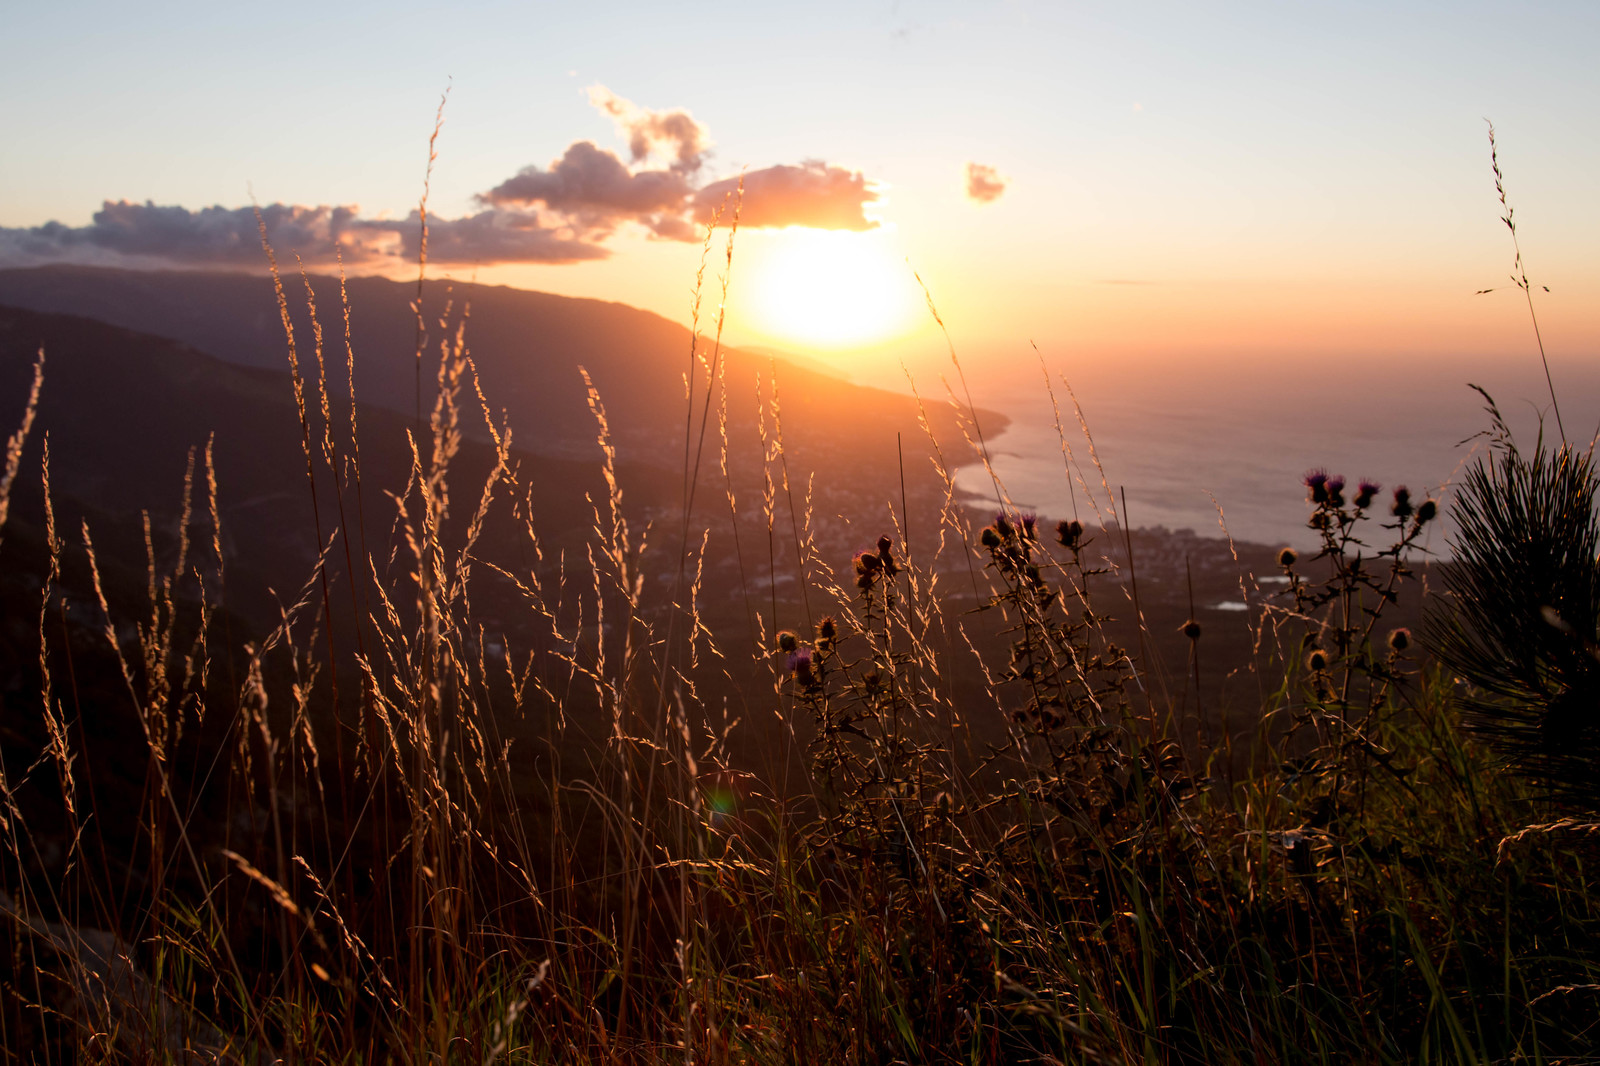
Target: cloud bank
column 984, row 184
column 129, row 234
column 563, row 212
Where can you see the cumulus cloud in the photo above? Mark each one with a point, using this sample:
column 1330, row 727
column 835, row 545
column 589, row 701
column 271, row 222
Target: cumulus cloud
column 984, row 184
column 122, row 232
column 594, row 191
column 214, row 235
column 811, row 194
column 675, row 133
column 561, row 213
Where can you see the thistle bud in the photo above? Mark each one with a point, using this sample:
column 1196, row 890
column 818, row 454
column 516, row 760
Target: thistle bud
column 1365, row 493
column 1402, row 503
column 1287, row 557
column 1400, row 640
column 1190, row 629
column 1317, row 661
column 787, row 640
column 1069, row 532
column 990, row 537
column 1426, row 510
column 827, row 628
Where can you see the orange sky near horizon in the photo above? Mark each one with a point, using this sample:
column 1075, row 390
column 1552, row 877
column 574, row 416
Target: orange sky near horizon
column 1428, row 311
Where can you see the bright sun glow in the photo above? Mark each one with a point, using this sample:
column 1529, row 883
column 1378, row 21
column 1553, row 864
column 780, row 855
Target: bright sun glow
column 830, row 289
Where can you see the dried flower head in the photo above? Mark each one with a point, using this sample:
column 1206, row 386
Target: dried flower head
column 827, row 628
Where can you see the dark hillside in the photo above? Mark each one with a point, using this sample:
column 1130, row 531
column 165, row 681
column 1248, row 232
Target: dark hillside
column 527, row 346
column 123, row 410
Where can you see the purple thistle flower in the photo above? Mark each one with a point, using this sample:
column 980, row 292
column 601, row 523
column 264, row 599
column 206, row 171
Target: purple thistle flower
column 800, row 664
column 1402, row 502
column 1317, row 481
column 1028, row 520
column 1335, row 490
column 1365, row 492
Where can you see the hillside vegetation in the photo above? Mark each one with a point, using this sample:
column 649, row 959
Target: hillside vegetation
column 434, row 749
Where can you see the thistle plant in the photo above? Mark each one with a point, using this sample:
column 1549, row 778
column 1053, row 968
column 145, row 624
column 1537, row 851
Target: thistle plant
column 1072, row 681
column 1350, row 662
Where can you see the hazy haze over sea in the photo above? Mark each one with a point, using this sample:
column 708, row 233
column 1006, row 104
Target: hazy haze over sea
column 1247, row 433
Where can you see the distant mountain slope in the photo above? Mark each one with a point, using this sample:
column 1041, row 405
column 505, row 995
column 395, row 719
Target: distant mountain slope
column 123, row 409
column 527, row 346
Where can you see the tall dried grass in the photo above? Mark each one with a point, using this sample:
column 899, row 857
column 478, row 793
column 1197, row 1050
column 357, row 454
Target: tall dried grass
column 989, row 835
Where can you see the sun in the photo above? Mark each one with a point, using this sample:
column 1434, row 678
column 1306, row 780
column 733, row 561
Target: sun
column 830, row 289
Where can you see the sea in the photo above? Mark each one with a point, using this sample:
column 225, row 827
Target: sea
column 1222, row 448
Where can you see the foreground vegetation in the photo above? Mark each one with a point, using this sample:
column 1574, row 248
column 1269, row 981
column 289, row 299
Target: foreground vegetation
column 385, row 831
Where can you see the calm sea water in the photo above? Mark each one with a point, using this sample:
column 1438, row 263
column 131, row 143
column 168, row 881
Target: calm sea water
column 1202, row 447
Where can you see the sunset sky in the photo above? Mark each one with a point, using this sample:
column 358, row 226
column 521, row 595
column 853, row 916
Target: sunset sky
column 1150, row 181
